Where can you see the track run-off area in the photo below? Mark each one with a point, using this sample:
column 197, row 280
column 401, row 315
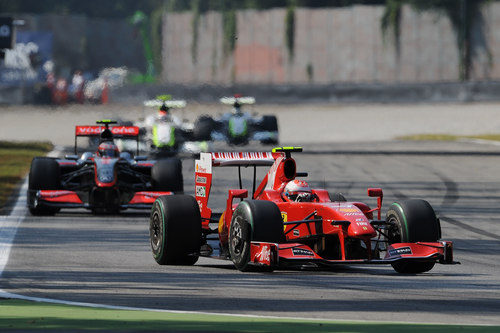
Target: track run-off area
column 79, row 257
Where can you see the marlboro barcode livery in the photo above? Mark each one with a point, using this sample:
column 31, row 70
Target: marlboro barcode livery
column 284, row 222
column 104, row 181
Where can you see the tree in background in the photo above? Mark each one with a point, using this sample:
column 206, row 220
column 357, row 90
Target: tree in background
column 464, row 15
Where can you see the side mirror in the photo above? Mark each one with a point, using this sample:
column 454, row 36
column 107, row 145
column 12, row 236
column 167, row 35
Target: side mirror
column 375, row 192
column 71, row 157
column 379, row 194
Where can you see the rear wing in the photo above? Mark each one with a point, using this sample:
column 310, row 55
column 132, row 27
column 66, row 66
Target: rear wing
column 274, row 159
column 118, row 131
column 96, row 130
column 240, row 100
column 178, row 104
column 204, row 165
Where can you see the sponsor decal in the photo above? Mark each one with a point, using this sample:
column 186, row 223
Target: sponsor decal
column 54, row 194
column 361, row 223
column 264, row 255
column 284, row 216
column 200, row 191
column 125, row 130
column 400, row 251
column 88, row 130
column 200, row 168
column 302, row 252
column 200, row 204
column 349, row 210
column 296, row 232
column 201, row 180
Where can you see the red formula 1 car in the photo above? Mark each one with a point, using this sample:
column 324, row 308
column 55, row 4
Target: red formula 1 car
column 106, row 181
column 277, row 229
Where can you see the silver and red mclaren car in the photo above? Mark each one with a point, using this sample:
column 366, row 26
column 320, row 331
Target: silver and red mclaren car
column 104, row 181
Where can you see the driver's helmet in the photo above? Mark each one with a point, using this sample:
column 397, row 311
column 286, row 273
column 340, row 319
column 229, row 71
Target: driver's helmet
column 108, row 149
column 163, row 110
column 298, row 190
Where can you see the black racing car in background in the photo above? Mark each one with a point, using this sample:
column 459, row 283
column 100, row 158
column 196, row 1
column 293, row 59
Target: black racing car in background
column 106, row 181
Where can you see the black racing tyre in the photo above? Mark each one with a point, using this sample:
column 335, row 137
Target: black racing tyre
column 269, row 123
column 175, row 230
column 203, row 128
column 166, row 175
column 413, row 221
column 45, row 174
column 253, row 220
column 338, row 197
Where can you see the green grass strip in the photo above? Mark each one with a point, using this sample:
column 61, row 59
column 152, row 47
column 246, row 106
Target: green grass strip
column 15, row 160
column 32, row 316
column 447, row 137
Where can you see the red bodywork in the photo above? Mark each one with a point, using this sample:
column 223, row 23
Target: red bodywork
column 346, row 222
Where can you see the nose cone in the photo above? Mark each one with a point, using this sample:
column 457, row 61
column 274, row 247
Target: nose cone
column 361, row 229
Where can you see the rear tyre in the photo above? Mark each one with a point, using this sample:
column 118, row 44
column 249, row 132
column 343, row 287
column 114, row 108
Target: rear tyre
column 413, row 221
column 175, row 230
column 44, row 175
column 253, row 220
column 338, row 197
column 270, row 124
column 203, row 128
column 166, row 175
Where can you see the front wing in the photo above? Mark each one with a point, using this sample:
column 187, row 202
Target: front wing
column 70, row 199
column 299, row 255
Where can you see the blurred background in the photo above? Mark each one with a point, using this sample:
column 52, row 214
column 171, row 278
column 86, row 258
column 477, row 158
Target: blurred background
column 66, row 51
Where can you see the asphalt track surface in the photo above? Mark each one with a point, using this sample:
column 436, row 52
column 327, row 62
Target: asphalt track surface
column 77, row 256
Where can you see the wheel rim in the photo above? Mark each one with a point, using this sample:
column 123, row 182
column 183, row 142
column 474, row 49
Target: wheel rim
column 393, row 232
column 237, row 241
column 156, row 231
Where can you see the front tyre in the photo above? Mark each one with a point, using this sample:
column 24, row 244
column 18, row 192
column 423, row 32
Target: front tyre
column 175, row 230
column 412, row 221
column 253, row 220
column 44, row 174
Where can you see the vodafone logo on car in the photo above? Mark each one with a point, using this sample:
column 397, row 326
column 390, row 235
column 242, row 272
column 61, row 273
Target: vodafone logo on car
column 88, row 130
column 125, row 130
column 117, row 130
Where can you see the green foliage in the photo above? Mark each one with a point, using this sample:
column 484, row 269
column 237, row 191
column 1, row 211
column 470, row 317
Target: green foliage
column 156, row 36
column 310, row 72
column 195, row 22
column 229, row 26
column 290, row 30
column 463, row 15
column 391, row 20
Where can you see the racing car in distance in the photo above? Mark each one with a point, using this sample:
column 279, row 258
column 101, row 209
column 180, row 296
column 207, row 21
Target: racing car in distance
column 273, row 229
column 165, row 133
column 106, row 181
column 237, row 127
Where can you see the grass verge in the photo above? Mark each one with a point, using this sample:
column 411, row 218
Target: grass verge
column 15, row 160
column 32, row 316
column 448, row 137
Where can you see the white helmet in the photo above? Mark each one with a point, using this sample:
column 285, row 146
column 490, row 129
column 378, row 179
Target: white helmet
column 298, row 190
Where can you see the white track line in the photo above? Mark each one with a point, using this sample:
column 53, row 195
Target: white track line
column 9, row 225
